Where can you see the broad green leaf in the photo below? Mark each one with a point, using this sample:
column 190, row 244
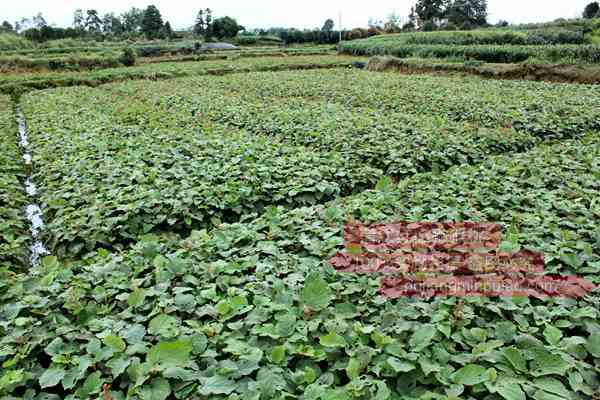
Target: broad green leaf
column 399, row 365
column 118, row 365
column 542, row 395
column 164, row 325
column 383, row 392
column 511, row 391
column 354, row 368
column 115, row 343
column 158, row 389
column 51, row 377
column 332, row 340
column 91, row 385
column 316, row 293
column 516, row 359
column 470, row 375
column 136, row 298
column 593, row 344
column 12, row 379
column 421, row 338
column 552, row 335
column 170, row 354
column 486, row 347
column 546, row 363
column 216, row 385
column 278, row 354
column 551, row 385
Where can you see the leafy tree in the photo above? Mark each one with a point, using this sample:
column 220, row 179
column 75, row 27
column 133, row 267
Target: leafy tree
column 127, row 58
column 392, row 25
column 93, row 23
column 225, row 27
column 39, row 21
column 152, row 23
column 200, row 25
column 412, row 18
column 467, row 13
column 208, row 23
column 49, row 33
column 592, row 10
column 35, row 22
column 6, row 27
column 111, row 24
column 429, row 26
column 328, row 25
column 428, row 10
column 167, row 30
column 132, row 20
column 78, row 19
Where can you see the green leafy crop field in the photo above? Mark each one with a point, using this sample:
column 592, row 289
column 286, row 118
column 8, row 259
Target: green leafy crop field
column 566, row 45
column 22, row 82
column 191, row 222
column 13, row 227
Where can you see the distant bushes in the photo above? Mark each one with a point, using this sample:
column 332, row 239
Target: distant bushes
column 47, row 32
column 554, row 44
column 318, row 36
column 9, row 41
column 486, row 53
column 488, row 37
column 252, row 40
column 127, row 57
column 71, row 63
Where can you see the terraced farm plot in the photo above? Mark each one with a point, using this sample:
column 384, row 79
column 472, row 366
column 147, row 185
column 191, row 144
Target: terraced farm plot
column 191, row 223
column 540, row 109
column 19, row 83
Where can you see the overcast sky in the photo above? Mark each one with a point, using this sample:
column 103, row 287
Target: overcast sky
column 268, row 13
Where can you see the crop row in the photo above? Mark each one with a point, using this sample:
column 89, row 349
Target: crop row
column 541, row 109
column 19, row 83
column 252, row 310
column 488, row 37
column 125, row 171
column 154, row 51
column 72, row 62
column 13, row 227
column 573, row 54
column 82, row 62
column 197, row 178
column 396, row 143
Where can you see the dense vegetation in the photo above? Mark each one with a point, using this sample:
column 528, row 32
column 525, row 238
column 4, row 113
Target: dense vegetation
column 77, row 59
column 18, row 83
column 532, row 37
column 191, row 210
column 13, row 228
column 252, row 309
column 568, row 54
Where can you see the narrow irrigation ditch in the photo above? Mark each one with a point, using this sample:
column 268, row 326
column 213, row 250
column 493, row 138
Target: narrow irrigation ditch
column 33, row 211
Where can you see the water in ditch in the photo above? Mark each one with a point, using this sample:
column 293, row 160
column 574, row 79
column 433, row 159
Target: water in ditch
column 33, row 211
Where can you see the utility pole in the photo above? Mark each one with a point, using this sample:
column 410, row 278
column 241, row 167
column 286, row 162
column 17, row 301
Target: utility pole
column 340, row 27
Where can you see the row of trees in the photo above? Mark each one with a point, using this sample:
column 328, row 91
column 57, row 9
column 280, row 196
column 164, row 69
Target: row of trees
column 148, row 22
column 326, row 35
column 425, row 15
column 133, row 23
